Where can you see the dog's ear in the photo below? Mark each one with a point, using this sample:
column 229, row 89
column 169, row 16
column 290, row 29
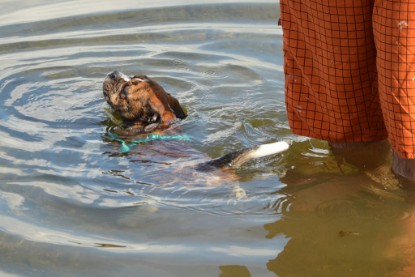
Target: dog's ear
column 169, row 102
column 175, row 106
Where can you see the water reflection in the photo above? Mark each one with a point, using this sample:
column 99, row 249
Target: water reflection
column 234, row 270
column 343, row 213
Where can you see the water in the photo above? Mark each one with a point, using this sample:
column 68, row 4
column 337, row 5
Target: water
column 73, row 205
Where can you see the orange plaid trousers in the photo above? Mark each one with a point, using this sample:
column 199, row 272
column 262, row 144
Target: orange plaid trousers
column 350, row 70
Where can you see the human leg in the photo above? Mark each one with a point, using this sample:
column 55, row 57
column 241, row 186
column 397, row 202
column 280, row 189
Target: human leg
column 366, row 156
column 394, row 34
column 330, row 70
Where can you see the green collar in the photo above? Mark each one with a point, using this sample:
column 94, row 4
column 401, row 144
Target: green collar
column 126, row 147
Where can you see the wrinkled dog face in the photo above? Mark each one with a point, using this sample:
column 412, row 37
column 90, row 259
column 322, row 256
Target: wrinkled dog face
column 140, row 100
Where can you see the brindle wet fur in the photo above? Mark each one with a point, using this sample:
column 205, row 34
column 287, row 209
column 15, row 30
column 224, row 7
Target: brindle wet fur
column 141, row 102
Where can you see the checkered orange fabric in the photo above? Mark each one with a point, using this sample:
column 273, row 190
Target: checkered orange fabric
column 350, row 70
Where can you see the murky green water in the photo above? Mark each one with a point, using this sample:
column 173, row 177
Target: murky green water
column 73, row 205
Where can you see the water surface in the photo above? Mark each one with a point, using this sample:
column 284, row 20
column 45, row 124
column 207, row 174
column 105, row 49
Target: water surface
column 73, row 205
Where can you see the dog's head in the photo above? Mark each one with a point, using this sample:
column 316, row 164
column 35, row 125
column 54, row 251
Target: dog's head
column 140, row 100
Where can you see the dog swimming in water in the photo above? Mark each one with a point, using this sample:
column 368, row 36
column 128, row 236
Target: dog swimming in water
column 146, row 108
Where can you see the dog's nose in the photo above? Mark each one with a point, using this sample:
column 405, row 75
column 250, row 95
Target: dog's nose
column 113, row 74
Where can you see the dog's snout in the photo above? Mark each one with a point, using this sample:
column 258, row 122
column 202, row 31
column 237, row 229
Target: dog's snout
column 116, row 75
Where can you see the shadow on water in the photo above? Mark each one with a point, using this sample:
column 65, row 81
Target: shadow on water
column 73, row 205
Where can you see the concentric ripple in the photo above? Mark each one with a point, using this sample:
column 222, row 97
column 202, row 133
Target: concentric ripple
column 51, row 85
column 68, row 184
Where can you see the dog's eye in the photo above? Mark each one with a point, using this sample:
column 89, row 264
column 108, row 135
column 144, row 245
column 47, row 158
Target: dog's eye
column 154, row 118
